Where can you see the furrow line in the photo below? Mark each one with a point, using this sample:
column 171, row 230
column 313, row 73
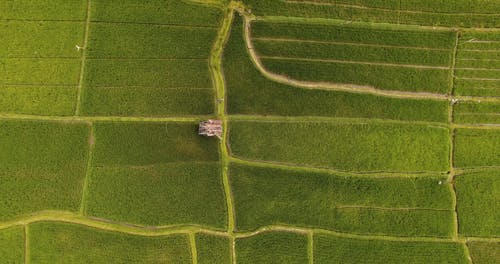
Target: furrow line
column 83, row 58
column 88, row 170
column 155, row 24
column 414, row 66
column 270, row 39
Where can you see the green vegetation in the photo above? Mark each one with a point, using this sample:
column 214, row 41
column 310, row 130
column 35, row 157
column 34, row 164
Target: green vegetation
column 300, row 49
column 149, row 41
column 477, row 64
column 366, row 33
column 477, row 148
column 266, row 196
column 43, row 9
column 213, row 249
column 464, row 13
column 342, row 145
column 39, row 72
column 484, row 252
column 248, row 92
column 147, row 101
column 70, row 243
column 477, row 112
column 40, row 39
column 141, row 143
column 331, row 249
column 272, row 247
column 141, row 87
column 478, row 194
column 42, row 166
column 156, row 11
column 58, row 100
column 12, row 245
column 385, row 77
column 172, row 164
column 177, row 194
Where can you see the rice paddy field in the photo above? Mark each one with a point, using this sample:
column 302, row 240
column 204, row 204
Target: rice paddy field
column 354, row 131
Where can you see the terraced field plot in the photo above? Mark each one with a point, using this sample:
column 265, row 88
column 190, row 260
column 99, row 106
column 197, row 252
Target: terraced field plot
column 355, row 131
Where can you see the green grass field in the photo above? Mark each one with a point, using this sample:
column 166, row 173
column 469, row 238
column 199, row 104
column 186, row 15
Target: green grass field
column 344, row 146
column 266, row 196
column 272, row 247
column 250, row 93
column 70, row 243
column 353, row 131
column 12, row 245
column 212, row 249
column 474, row 207
column 484, row 252
column 42, row 166
column 331, row 249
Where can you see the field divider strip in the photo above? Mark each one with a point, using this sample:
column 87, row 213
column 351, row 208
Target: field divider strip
column 478, row 79
column 308, row 2
column 38, row 85
column 477, row 69
column 147, row 59
column 413, row 66
column 104, row 118
column 378, row 175
column 331, row 119
column 270, row 39
column 88, row 170
column 26, row 244
column 83, row 59
column 194, row 251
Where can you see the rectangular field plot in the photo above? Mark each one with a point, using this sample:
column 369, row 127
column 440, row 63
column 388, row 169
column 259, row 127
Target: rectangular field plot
column 35, row 71
column 170, row 194
column 478, row 64
column 484, row 252
column 213, row 249
column 477, row 148
column 70, row 243
column 332, row 249
column 12, row 245
column 272, row 247
column 477, row 112
column 147, row 87
column 116, row 40
column 249, row 92
column 43, row 9
column 358, row 55
column 40, row 39
column 156, row 11
column 403, row 206
column 42, row 166
column 343, row 146
column 138, row 143
column 147, row 101
column 478, row 197
column 465, row 13
column 156, row 174
column 38, row 100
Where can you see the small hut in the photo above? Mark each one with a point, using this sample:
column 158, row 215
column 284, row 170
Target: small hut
column 210, row 128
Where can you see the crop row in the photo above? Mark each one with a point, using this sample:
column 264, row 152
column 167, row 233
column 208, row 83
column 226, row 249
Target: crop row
column 410, row 12
column 348, row 52
column 359, row 65
column 356, row 33
column 249, row 92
